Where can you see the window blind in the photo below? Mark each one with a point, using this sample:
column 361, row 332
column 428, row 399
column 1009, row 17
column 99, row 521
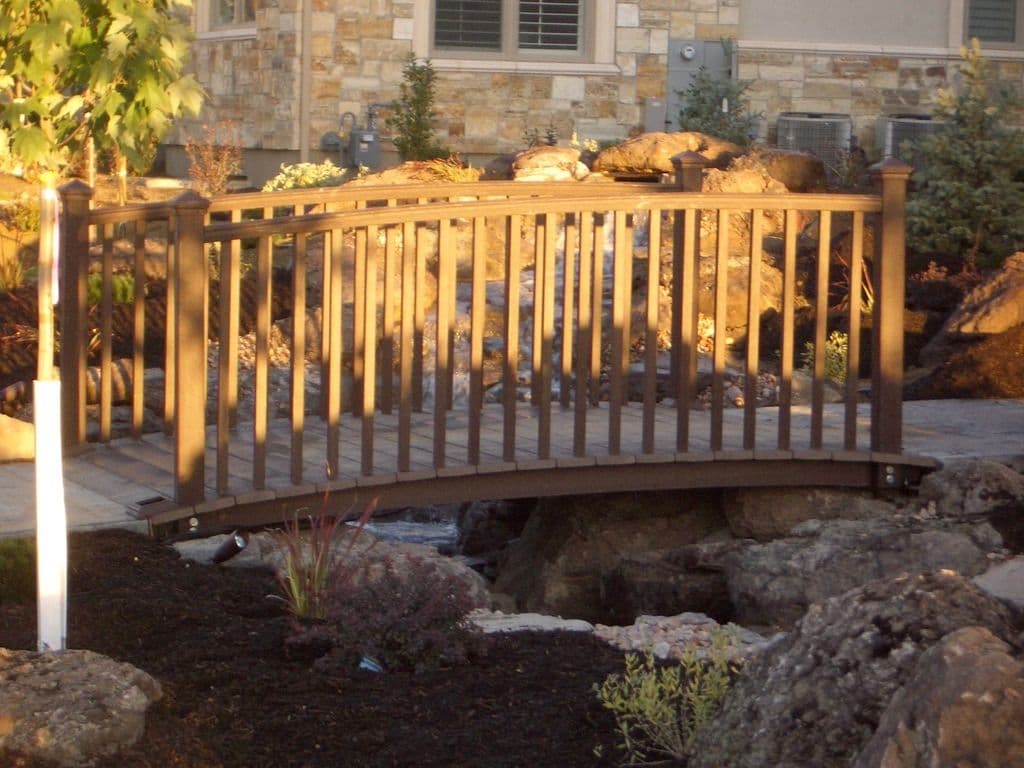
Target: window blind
column 549, row 24
column 468, row 24
column 992, row 20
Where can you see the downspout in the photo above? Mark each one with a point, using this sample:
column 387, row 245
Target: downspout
column 305, row 79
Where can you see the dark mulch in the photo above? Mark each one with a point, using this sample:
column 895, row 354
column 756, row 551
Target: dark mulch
column 232, row 698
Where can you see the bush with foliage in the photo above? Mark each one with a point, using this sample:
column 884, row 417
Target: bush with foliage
column 968, row 198
column 406, row 614
column 660, row 708
column 214, row 159
column 122, row 288
column 17, row 220
column 17, row 571
column 75, row 71
column 412, row 119
column 717, row 106
column 301, row 175
column 836, row 355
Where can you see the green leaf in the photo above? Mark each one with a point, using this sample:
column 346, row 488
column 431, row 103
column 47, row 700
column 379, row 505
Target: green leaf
column 32, row 146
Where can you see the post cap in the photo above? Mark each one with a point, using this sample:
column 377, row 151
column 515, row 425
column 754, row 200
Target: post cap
column 685, row 159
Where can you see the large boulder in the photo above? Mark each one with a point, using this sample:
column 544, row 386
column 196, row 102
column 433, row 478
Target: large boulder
column 992, row 307
column 976, row 491
column 651, row 153
column 72, row 707
column 362, row 555
column 774, row 583
column 573, row 549
column 819, row 695
column 549, row 164
column 17, row 439
column 963, row 706
column 765, row 514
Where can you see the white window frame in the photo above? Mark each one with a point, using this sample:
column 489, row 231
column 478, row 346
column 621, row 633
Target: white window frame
column 1017, row 44
column 597, row 54
column 509, row 38
column 207, row 30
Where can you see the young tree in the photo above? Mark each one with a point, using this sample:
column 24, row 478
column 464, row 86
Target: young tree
column 413, row 116
column 969, row 178
column 71, row 71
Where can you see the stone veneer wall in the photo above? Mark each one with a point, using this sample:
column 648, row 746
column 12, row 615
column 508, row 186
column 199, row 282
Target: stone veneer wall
column 358, row 51
column 864, row 86
column 359, row 48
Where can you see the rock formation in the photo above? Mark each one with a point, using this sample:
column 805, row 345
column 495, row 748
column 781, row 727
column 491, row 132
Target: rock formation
column 819, row 696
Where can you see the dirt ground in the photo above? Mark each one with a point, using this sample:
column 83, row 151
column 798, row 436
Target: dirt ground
column 214, row 641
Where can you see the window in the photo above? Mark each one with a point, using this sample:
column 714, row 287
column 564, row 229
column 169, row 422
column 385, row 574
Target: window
column 510, row 28
column 225, row 18
column 995, row 22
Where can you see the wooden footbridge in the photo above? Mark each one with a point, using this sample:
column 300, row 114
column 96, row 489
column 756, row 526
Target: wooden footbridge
column 551, row 290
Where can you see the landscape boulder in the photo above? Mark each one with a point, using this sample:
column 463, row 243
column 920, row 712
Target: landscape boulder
column 573, row 548
column 818, row 696
column 774, row 583
column 979, row 490
column 365, row 556
column 17, row 439
column 71, row 707
column 652, row 153
column 549, row 164
column 963, row 706
column 765, row 514
column 992, row 307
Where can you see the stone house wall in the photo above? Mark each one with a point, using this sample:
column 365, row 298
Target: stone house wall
column 864, row 86
column 358, row 49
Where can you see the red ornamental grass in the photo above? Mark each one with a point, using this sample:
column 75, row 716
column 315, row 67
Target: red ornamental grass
column 306, row 573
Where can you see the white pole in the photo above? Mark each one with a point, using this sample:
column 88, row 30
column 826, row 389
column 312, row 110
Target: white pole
column 51, row 515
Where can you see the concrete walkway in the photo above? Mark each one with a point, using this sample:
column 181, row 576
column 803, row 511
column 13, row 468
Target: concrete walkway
column 948, row 430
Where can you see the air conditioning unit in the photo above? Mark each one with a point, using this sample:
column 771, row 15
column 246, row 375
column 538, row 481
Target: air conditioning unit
column 824, row 134
column 892, row 131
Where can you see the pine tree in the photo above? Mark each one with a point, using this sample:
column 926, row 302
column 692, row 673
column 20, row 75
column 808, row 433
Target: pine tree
column 413, row 117
column 968, row 200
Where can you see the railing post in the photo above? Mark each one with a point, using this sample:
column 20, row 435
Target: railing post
column 889, row 277
column 74, row 312
column 190, row 279
column 689, row 168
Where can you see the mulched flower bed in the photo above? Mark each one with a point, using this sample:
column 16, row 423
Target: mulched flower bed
column 215, row 642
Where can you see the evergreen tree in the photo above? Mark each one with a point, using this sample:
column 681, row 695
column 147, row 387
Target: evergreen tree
column 413, row 117
column 968, row 198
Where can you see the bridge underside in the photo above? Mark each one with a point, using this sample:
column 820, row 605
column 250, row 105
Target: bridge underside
column 654, row 472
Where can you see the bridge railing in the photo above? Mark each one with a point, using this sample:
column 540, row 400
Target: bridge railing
column 551, row 289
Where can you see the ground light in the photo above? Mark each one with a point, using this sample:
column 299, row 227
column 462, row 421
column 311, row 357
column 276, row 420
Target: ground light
column 51, row 515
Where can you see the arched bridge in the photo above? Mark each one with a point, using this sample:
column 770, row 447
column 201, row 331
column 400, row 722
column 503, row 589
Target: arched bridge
column 485, row 340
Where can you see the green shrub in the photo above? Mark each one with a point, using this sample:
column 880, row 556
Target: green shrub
column 301, row 175
column 660, row 708
column 717, row 106
column 413, row 118
column 17, row 570
column 836, row 355
column 19, row 219
column 122, row 288
column 968, row 195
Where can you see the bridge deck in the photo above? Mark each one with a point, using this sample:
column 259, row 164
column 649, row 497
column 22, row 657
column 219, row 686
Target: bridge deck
column 149, row 462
